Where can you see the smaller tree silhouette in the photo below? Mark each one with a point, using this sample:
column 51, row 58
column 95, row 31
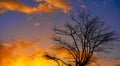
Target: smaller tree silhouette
column 57, row 60
column 84, row 36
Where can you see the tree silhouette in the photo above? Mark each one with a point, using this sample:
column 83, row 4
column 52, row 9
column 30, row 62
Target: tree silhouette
column 82, row 37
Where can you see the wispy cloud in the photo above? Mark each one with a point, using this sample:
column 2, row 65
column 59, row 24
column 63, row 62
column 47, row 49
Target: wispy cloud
column 36, row 24
column 83, row 6
column 44, row 6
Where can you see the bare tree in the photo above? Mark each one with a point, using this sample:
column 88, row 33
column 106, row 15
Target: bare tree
column 84, row 36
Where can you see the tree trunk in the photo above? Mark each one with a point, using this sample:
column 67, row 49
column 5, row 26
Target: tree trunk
column 81, row 65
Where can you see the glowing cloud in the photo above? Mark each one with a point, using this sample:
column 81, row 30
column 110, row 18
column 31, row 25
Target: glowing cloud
column 15, row 5
column 44, row 6
column 60, row 4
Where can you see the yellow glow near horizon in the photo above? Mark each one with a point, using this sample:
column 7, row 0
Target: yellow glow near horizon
column 28, row 62
column 19, row 54
column 34, row 62
column 22, row 53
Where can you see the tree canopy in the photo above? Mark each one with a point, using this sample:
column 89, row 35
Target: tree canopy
column 84, row 36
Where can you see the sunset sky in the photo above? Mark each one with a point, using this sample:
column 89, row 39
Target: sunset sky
column 33, row 20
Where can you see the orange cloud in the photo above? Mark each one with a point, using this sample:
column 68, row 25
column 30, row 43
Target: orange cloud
column 44, row 6
column 15, row 5
column 60, row 4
